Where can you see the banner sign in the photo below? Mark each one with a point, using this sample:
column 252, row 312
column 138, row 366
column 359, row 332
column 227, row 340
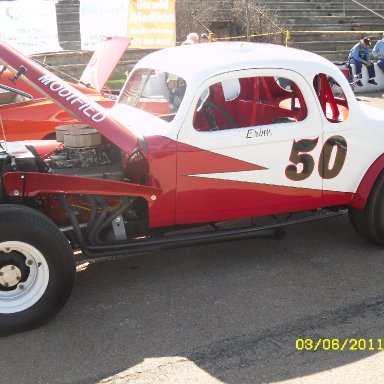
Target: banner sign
column 29, row 26
column 151, row 23
column 99, row 18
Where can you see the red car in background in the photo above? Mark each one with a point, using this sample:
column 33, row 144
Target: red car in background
column 26, row 114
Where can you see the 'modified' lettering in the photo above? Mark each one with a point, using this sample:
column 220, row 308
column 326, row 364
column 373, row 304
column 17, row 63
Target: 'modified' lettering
column 71, row 98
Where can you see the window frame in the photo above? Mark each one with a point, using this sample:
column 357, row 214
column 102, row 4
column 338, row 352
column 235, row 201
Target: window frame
column 254, row 74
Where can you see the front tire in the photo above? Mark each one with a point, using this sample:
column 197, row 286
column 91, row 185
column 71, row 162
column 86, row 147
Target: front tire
column 37, row 269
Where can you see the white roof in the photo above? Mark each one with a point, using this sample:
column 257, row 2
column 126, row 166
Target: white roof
column 208, row 59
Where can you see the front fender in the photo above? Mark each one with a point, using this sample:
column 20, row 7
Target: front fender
column 32, row 184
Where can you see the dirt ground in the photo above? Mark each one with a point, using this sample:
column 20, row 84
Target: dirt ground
column 376, row 99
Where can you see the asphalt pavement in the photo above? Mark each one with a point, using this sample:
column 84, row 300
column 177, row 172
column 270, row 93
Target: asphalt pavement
column 222, row 313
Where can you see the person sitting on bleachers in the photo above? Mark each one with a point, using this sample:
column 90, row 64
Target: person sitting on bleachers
column 360, row 55
column 378, row 53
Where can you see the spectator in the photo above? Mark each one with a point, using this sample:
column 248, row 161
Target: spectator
column 360, row 55
column 204, row 38
column 378, row 53
column 192, row 38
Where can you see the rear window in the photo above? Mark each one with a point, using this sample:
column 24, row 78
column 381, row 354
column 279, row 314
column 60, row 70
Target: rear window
column 331, row 97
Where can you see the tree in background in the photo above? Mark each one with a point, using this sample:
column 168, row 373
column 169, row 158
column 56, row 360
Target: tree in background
column 228, row 18
column 195, row 16
column 258, row 18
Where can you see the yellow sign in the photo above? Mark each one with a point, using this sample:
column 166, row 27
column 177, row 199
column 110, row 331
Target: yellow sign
column 152, row 23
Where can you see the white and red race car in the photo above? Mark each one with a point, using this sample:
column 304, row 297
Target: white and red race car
column 201, row 136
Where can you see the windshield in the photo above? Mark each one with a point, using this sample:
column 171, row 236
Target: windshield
column 159, row 93
column 9, row 95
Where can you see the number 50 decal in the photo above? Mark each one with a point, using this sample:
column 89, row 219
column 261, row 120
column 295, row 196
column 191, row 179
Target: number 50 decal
column 327, row 170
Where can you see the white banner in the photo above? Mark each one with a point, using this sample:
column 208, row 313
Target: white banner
column 99, row 18
column 30, row 26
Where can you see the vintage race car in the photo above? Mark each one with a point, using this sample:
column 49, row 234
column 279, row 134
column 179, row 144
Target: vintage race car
column 26, row 114
column 204, row 144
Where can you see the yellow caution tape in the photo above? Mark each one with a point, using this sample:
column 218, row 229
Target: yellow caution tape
column 287, row 34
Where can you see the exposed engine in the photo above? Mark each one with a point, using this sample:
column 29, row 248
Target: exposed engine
column 93, row 219
column 84, row 154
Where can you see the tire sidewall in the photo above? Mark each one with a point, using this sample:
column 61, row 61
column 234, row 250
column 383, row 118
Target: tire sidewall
column 375, row 211
column 19, row 223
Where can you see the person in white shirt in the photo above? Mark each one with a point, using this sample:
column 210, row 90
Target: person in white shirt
column 192, row 38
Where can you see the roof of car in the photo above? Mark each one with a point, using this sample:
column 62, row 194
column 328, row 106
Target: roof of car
column 208, row 59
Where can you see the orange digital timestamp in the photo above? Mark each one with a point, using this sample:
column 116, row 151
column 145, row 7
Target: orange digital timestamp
column 334, row 344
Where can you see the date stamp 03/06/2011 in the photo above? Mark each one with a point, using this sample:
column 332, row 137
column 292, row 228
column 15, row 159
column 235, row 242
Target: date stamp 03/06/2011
column 334, row 344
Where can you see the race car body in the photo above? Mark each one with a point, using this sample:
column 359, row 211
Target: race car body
column 204, row 136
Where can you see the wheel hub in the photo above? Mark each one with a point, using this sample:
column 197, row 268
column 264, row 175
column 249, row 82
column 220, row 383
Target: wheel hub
column 14, row 268
column 10, row 275
column 24, row 276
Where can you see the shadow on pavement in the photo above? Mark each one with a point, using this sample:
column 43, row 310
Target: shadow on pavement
column 235, row 310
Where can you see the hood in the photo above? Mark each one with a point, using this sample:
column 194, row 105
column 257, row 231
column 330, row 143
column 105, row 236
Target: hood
column 139, row 122
column 103, row 61
column 66, row 97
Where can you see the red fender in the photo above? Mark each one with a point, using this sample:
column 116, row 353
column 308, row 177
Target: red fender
column 31, row 184
column 361, row 196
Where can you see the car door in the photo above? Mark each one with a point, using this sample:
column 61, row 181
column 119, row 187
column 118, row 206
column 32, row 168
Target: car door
column 249, row 147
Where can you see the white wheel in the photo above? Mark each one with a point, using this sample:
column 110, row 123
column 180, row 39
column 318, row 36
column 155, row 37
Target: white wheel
column 24, row 276
column 37, row 269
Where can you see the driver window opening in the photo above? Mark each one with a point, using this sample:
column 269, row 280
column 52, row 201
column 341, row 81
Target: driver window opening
column 248, row 102
column 331, row 97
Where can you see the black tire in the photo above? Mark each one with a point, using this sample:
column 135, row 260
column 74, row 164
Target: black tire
column 375, row 211
column 357, row 218
column 37, row 269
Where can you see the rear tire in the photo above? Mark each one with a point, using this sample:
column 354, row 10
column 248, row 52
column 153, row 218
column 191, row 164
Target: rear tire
column 37, row 269
column 358, row 220
column 375, row 212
